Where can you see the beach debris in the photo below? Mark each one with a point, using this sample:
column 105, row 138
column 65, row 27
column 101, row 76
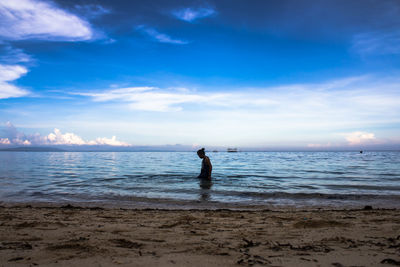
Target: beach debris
column 26, row 225
column 170, row 225
column 391, row 261
column 79, row 239
column 250, row 243
column 305, row 259
column 368, row 207
column 152, row 240
column 70, row 246
column 15, row 245
column 349, row 242
column 186, row 219
column 70, row 207
column 96, row 208
column 249, row 260
column 318, row 224
column 320, row 248
column 16, row 259
column 316, row 248
column 124, row 243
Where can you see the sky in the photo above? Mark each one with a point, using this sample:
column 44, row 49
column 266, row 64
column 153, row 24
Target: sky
column 230, row 73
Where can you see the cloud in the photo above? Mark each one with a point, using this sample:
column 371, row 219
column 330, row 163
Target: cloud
column 160, row 37
column 91, row 10
column 191, row 14
column 5, row 141
column 108, row 141
column 14, row 137
column 57, row 138
column 378, row 43
column 10, row 55
column 34, row 19
column 357, row 138
column 9, row 73
column 327, row 145
column 152, row 98
column 358, row 96
column 287, row 115
column 116, row 94
column 352, row 139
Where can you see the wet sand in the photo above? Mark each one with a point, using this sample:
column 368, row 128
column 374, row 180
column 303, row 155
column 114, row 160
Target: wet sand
column 74, row 236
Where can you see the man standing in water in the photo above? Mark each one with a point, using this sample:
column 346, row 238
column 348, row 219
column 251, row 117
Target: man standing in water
column 206, row 167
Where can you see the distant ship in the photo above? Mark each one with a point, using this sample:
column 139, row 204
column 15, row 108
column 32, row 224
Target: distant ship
column 232, row 150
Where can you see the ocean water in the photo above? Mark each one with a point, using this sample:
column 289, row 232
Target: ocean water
column 170, row 178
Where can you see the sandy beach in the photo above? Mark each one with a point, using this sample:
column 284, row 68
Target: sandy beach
column 75, row 236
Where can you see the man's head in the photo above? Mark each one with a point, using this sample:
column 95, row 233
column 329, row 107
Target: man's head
column 201, row 153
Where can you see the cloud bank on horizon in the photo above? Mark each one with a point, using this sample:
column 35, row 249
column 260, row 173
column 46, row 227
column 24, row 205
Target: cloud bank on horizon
column 14, row 137
column 17, row 138
column 216, row 73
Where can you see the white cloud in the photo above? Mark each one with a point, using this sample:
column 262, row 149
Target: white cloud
column 57, row 138
column 327, row 145
column 10, row 55
column 92, row 10
column 357, row 138
column 160, row 37
column 5, row 141
column 116, row 94
column 191, row 14
column 352, row 139
column 14, row 137
column 378, row 43
column 9, row 73
column 153, row 98
column 34, row 19
column 290, row 115
column 358, row 96
column 108, row 141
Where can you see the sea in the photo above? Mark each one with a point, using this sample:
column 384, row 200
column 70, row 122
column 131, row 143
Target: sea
column 169, row 179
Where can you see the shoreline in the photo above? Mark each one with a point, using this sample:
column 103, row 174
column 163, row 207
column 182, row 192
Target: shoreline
column 172, row 208
column 176, row 204
column 70, row 235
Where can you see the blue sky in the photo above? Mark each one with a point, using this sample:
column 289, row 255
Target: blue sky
column 269, row 74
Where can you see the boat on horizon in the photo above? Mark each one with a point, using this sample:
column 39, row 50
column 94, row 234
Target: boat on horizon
column 232, row 149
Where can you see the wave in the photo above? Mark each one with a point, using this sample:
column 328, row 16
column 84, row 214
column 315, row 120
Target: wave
column 239, row 196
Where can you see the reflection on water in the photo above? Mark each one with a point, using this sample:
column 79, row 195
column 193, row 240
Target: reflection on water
column 205, row 186
column 246, row 177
